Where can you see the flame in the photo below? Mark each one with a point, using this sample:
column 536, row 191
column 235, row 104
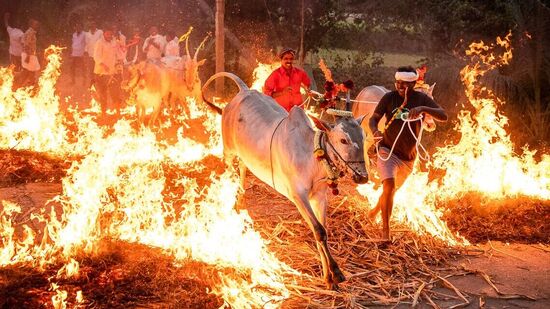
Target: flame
column 261, row 73
column 118, row 186
column 326, row 71
column 59, row 299
column 487, row 162
column 482, row 161
column 32, row 121
column 117, row 189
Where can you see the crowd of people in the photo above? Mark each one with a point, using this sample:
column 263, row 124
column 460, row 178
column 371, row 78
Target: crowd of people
column 96, row 55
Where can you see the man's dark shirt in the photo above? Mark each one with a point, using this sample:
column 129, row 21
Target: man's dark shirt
column 405, row 148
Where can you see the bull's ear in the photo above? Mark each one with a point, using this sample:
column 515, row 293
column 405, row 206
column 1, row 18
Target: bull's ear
column 360, row 119
column 201, row 62
column 320, row 124
column 431, row 89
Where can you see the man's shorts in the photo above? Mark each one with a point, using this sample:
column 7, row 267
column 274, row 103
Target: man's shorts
column 394, row 167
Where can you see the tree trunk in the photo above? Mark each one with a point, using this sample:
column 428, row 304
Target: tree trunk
column 302, row 52
column 246, row 54
column 539, row 37
column 220, row 56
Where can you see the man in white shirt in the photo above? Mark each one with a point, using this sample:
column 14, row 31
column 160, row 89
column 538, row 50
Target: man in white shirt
column 154, row 45
column 173, row 46
column 16, row 47
column 116, row 91
column 78, row 48
column 92, row 37
column 29, row 59
column 105, row 57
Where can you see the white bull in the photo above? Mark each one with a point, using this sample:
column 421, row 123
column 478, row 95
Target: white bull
column 366, row 102
column 278, row 147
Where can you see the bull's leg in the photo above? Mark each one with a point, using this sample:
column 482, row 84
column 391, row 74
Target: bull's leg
column 154, row 115
column 324, row 261
column 332, row 271
column 304, row 207
column 140, row 114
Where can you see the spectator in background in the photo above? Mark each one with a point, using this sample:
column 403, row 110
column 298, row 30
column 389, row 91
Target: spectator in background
column 173, row 46
column 154, row 45
column 92, row 36
column 78, row 48
column 120, row 40
column 134, row 53
column 16, row 46
column 105, row 56
column 29, row 59
column 121, row 50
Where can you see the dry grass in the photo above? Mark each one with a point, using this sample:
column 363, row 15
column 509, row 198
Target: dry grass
column 409, row 270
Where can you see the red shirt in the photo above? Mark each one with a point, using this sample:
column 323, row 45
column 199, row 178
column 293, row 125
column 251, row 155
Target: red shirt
column 280, row 79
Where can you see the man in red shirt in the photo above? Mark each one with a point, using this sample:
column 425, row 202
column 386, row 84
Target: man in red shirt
column 284, row 83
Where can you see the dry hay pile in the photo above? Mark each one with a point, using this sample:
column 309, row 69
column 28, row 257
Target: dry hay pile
column 521, row 219
column 410, row 270
column 404, row 271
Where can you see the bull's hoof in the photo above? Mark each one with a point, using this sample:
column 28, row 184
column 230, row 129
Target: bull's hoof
column 384, row 243
column 332, row 286
column 338, row 276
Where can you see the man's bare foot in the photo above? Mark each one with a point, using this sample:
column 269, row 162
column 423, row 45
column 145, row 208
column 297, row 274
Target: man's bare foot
column 384, row 243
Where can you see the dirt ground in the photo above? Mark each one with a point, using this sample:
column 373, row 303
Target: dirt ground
column 515, row 269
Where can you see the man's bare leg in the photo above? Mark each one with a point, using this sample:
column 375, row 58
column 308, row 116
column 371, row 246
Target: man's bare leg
column 386, row 205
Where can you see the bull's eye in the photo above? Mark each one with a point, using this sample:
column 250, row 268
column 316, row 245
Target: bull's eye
column 344, row 141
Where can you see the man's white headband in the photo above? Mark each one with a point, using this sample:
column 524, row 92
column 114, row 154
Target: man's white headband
column 406, row 76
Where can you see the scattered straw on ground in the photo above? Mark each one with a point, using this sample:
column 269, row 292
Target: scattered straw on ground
column 520, row 219
column 410, row 270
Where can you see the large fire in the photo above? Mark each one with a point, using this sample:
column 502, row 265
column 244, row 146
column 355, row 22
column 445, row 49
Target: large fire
column 117, row 186
column 117, row 190
column 482, row 161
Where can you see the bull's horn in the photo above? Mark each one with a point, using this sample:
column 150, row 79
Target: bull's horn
column 186, row 38
column 360, row 119
column 200, row 46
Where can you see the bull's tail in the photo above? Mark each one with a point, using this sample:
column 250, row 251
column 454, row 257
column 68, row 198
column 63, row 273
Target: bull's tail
column 242, row 87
